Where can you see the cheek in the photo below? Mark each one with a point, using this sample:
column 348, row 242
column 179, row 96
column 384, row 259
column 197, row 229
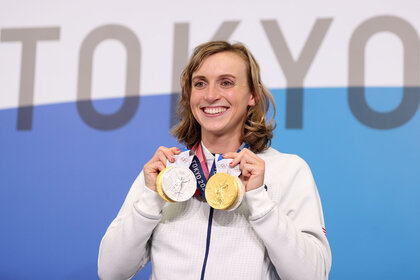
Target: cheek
column 238, row 99
column 194, row 103
column 194, row 98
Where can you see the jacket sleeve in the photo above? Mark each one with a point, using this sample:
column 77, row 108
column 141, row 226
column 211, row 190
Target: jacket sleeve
column 125, row 247
column 290, row 222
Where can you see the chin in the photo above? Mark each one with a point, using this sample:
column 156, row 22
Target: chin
column 214, row 131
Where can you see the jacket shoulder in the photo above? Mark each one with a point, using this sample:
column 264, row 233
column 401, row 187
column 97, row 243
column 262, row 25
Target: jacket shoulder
column 272, row 154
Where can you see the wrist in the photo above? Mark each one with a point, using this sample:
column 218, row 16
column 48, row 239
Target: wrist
column 152, row 188
column 254, row 185
column 150, row 202
column 258, row 201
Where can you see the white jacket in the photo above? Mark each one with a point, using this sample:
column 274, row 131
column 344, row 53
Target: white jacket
column 275, row 234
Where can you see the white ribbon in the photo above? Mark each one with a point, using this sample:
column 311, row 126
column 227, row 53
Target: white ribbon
column 184, row 159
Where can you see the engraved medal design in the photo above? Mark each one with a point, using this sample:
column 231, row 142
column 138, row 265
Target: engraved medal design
column 224, row 191
column 176, row 182
column 179, row 183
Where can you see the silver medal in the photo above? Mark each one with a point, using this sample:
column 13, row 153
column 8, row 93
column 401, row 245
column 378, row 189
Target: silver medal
column 179, row 183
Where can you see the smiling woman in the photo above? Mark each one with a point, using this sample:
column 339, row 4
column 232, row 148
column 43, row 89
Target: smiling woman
column 220, row 98
column 256, row 213
column 220, row 72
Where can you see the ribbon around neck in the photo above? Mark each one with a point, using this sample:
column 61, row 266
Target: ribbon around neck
column 195, row 160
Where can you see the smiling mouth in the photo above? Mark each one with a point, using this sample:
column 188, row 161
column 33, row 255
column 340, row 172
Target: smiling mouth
column 214, row 110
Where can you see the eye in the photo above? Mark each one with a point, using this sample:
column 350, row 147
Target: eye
column 199, row 84
column 226, row 84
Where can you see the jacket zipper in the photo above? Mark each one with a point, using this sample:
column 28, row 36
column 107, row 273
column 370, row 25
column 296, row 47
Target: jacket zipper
column 203, row 270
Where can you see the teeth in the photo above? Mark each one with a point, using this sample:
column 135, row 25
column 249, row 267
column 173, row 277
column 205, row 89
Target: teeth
column 214, row 110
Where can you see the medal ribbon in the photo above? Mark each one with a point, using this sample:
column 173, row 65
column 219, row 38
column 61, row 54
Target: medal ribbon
column 200, row 169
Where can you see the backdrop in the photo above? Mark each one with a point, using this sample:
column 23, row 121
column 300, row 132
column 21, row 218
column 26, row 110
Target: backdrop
column 88, row 91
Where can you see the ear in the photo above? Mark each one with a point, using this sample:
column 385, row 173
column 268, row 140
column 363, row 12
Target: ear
column 251, row 101
column 254, row 96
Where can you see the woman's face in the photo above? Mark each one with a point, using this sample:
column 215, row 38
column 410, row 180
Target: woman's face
column 220, row 95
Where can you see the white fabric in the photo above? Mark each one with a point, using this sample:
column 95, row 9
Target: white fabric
column 274, row 234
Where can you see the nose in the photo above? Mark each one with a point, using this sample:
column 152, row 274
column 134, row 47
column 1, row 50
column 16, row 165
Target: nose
column 212, row 93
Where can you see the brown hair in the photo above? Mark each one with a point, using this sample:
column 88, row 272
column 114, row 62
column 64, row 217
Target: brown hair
column 257, row 132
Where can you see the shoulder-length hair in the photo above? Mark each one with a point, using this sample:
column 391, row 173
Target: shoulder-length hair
column 257, row 131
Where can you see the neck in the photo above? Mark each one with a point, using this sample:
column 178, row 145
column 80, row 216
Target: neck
column 221, row 144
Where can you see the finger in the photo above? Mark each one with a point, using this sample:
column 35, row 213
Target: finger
column 229, row 155
column 151, row 171
column 163, row 154
column 244, row 179
column 245, row 172
column 175, row 150
column 156, row 167
column 170, row 153
column 162, row 157
column 250, row 156
column 255, row 172
column 160, row 166
column 242, row 157
column 250, row 168
column 236, row 158
column 245, row 155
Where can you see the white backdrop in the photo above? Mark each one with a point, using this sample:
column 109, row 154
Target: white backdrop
column 65, row 167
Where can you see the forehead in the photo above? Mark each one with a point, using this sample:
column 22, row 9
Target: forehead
column 223, row 63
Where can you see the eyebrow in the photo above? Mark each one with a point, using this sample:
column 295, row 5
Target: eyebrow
column 199, row 77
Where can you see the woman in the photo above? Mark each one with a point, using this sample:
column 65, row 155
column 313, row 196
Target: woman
column 276, row 233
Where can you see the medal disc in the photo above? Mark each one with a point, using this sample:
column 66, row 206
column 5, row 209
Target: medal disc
column 159, row 187
column 179, row 183
column 240, row 197
column 222, row 191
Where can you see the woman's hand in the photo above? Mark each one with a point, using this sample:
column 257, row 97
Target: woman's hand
column 158, row 163
column 252, row 167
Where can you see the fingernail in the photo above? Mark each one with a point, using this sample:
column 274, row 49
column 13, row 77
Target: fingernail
column 178, row 150
column 172, row 160
column 231, row 163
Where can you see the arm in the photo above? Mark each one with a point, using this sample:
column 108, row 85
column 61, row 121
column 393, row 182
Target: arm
column 291, row 228
column 124, row 249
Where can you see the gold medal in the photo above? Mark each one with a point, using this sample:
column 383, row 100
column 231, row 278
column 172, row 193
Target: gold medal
column 159, row 185
column 223, row 191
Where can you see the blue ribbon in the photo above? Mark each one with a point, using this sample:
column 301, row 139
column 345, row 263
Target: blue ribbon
column 197, row 169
